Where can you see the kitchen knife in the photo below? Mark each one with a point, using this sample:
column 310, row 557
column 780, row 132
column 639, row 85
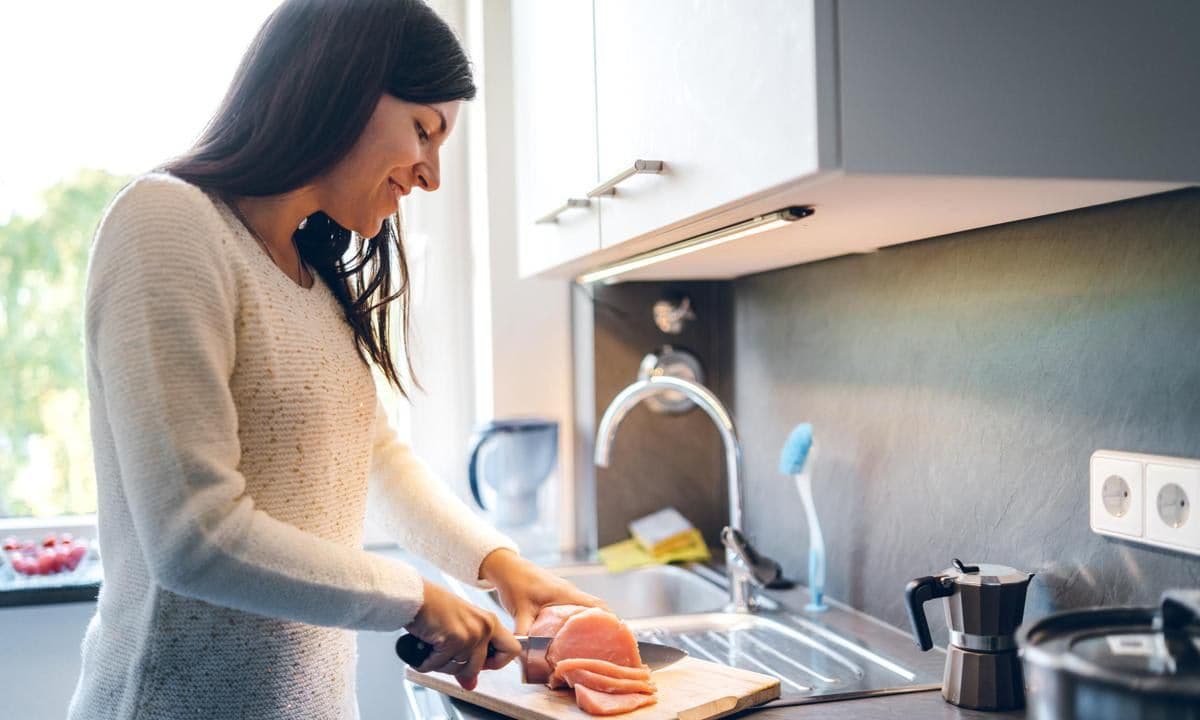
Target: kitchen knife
column 534, row 668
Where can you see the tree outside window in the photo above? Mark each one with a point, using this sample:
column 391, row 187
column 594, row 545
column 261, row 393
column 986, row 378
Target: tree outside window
column 45, row 447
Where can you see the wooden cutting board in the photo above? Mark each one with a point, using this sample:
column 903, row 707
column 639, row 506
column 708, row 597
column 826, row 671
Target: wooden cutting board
column 690, row 689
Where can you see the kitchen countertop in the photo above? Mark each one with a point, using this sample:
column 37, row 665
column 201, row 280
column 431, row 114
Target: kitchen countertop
column 925, row 704
column 912, row 705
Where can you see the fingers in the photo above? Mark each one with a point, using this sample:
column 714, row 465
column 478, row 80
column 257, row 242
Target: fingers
column 506, row 648
column 466, row 654
column 442, row 658
column 582, row 598
column 451, row 658
column 468, row 675
column 524, row 618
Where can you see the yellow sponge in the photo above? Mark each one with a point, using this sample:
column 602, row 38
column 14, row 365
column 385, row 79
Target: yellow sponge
column 663, row 531
column 629, row 554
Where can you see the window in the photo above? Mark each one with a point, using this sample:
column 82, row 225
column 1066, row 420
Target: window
column 91, row 100
column 90, row 103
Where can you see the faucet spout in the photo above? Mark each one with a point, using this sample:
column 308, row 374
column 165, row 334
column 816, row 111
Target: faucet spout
column 740, row 595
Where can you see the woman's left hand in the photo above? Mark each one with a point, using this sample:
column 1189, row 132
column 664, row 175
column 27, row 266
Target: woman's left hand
column 525, row 588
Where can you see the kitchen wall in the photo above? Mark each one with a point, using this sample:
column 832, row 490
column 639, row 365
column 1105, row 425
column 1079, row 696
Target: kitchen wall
column 658, row 460
column 958, row 386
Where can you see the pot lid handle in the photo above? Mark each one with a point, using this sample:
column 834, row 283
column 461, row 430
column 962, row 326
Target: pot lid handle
column 965, row 569
column 1179, row 609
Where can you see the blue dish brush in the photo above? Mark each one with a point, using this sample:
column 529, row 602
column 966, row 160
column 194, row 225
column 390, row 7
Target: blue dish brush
column 796, row 460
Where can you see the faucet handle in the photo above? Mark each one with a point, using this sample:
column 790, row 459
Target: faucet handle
column 764, row 571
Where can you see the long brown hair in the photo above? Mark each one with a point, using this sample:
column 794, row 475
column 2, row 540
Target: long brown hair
column 299, row 100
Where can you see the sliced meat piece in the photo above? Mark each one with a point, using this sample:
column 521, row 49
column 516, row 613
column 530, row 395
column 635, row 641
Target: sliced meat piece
column 595, row 681
column 604, row 667
column 551, row 618
column 602, row 703
column 597, row 634
column 549, row 621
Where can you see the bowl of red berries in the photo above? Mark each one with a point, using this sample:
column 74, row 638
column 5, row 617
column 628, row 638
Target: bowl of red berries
column 57, row 553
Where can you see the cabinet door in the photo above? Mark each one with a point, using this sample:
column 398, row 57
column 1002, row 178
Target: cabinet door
column 555, row 130
column 1044, row 89
column 724, row 92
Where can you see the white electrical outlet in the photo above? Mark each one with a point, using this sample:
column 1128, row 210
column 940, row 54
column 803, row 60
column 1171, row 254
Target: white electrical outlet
column 1171, row 489
column 1146, row 499
column 1116, row 494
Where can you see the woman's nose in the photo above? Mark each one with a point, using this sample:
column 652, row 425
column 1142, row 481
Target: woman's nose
column 428, row 177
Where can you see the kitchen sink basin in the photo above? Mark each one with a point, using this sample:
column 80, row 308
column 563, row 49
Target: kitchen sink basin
column 648, row 591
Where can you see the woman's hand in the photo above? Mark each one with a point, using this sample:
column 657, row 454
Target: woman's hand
column 525, row 588
column 460, row 633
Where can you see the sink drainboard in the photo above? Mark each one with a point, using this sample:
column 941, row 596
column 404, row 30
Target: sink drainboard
column 807, row 664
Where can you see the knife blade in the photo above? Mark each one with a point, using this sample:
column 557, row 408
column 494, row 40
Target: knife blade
column 534, row 668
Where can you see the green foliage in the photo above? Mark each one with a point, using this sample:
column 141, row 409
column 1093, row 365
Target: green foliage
column 45, row 448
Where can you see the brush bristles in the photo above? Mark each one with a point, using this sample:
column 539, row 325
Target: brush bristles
column 795, row 450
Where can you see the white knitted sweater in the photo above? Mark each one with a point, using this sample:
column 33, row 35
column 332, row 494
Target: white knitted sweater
column 237, row 435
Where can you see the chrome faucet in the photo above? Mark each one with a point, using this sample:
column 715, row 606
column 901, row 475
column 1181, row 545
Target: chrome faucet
column 741, row 598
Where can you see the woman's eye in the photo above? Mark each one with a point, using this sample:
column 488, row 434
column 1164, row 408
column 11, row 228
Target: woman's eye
column 421, row 133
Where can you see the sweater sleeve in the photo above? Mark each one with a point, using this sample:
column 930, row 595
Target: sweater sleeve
column 423, row 514
column 161, row 309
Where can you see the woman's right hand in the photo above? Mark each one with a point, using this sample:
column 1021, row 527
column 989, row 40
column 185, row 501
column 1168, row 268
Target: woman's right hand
column 460, row 634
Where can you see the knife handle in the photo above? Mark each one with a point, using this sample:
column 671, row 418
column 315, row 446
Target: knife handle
column 415, row 651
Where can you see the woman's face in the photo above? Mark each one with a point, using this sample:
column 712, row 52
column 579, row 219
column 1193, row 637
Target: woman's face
column 396, row 153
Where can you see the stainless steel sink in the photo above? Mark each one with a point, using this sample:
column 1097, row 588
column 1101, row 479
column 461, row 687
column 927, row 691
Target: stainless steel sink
column 837, row 654
column 810, row 661
column 814, row 659
column 649, row 591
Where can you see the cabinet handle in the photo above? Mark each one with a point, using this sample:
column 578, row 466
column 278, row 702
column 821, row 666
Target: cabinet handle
column 609, row 187
column 552, row 216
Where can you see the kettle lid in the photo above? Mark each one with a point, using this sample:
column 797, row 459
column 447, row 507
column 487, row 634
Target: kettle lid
column 985, row 574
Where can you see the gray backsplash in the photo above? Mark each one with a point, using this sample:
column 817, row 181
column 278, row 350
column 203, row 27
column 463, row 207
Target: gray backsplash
column 957, row 387
column 661, row 460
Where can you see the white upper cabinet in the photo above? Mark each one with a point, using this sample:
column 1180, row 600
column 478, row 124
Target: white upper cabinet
column 891, row 121
column 722, row 92
column 555, row 131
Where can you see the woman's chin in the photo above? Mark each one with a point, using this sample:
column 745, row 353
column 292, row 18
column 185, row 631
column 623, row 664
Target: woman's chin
column 368, row 230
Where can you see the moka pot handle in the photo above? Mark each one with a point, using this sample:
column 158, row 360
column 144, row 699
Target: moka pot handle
column 916, row 594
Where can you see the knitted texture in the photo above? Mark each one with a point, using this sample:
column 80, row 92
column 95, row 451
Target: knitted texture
column 237, row 434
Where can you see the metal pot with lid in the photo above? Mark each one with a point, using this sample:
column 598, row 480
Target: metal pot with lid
column 1110, row 663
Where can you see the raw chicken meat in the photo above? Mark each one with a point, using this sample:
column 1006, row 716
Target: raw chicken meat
column 551, row 619
column 602, row 703
column 606, row 683
column 596, row 654
column 604, row 668
column 595, row 633
column 601, row 667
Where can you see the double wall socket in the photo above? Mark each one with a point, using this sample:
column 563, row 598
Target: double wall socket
column 1146, row 499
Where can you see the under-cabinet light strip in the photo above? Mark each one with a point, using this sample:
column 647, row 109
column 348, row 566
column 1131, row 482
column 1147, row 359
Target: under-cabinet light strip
column 770, row 221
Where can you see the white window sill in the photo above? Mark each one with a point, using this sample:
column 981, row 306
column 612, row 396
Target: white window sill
column 81, row 526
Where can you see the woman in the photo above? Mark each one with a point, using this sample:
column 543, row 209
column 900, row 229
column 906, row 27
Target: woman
column 231, row 339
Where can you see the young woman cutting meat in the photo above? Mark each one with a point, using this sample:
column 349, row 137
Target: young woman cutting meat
column 238, row 299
